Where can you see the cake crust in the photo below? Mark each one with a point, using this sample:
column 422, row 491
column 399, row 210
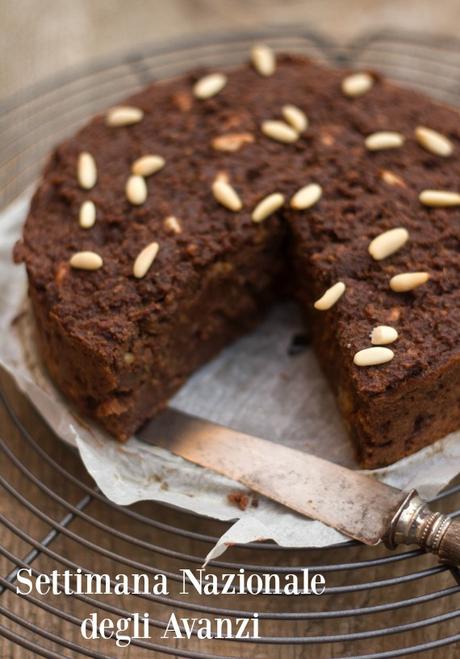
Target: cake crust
column 120, row 346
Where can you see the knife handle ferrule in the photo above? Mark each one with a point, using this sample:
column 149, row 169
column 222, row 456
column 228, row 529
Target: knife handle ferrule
column 415, row 523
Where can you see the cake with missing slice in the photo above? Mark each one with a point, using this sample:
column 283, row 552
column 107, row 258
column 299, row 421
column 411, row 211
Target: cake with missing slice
column 164, row 228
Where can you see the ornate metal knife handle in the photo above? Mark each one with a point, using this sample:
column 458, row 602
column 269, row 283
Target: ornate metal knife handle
column 415, row 523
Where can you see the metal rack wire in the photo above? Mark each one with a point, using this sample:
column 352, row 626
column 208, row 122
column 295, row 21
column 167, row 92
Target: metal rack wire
column 75, row 524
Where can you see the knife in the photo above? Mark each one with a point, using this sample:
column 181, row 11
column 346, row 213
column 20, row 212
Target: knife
column 359, row 506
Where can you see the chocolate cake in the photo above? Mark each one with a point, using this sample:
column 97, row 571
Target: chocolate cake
column 164, row 228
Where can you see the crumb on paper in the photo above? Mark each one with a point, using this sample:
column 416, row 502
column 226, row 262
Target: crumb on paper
column 243, row 499
column 300, row 342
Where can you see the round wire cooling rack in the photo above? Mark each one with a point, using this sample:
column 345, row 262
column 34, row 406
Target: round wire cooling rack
column 376, row 604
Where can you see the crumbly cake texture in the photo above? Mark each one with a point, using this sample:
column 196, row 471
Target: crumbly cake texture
column 119, row 346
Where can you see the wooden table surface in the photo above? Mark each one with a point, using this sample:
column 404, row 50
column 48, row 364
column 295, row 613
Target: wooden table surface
column 53, row 36
column 36, row 502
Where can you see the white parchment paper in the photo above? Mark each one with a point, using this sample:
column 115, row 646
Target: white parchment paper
column 253, row 386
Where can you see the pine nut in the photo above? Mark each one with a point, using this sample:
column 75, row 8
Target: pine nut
column 434, row 142
column 263, row 59
column 172, row 224
column 267, row 207
column 226, row 195
column 279, row 131
column 439, row 198
column 306, row 196
column 136, row 190
column 144, row 260
column 392, row 179
column 147, row 165
column 86, row 171
column 384, row 140
column 388, row 243
column 124, row 115
column 357, row 84
column 210, row 85
column 86, row 261
column 128, row 358
column 330, row 297
column 232, row 141
column 407, row 281
column 295, row 117
column 87, row 216
column 383, row 334
column 373, row 356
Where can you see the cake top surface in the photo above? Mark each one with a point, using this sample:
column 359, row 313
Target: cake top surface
column 364, row 193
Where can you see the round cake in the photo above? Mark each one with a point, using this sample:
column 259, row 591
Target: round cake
column 165, row 228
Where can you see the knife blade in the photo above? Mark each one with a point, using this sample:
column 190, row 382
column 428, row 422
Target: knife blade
column 359, row 506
